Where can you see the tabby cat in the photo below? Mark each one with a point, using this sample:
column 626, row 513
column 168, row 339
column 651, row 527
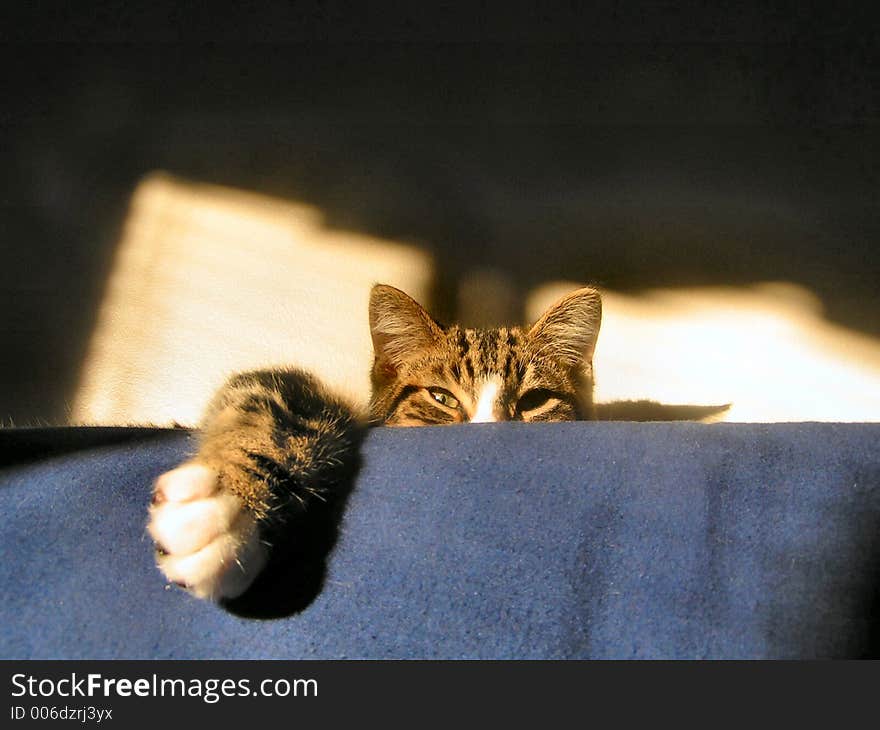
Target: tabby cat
column 273, row 441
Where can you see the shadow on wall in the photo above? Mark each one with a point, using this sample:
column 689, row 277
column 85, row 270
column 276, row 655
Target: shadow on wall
column 210, row 280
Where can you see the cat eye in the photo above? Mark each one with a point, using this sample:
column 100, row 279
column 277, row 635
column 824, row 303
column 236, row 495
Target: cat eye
column 534, row 399
column 443, row 397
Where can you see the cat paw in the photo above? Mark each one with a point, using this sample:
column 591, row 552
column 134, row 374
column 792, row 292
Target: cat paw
column 206, row 540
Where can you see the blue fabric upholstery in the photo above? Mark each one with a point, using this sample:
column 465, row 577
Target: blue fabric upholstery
column 582, row 540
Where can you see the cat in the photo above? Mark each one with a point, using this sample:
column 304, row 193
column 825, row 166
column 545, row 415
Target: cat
column 275, row 441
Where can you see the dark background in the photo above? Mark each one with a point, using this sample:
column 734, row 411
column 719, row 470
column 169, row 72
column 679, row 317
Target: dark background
column 632, row 145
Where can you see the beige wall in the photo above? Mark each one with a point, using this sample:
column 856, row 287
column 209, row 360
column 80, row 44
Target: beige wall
column 208, row 281
column 766, row 350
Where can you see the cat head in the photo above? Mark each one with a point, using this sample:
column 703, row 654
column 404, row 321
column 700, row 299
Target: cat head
column 425, row 373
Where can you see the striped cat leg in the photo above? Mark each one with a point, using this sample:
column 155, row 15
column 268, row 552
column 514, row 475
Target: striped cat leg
column 272, row 442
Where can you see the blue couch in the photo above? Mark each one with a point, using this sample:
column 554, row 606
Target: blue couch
column 578, row 540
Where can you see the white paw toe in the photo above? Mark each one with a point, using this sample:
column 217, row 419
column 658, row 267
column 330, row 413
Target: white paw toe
column 184, row 527
column 187, row 482
column 225, row 567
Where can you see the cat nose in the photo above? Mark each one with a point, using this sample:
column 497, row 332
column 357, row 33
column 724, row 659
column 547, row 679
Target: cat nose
column 493, row 415
column 491, row 418
column 487, row 408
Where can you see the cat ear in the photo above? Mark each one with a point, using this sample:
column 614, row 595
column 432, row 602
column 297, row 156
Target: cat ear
column 399, row 325
column 568, row 330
